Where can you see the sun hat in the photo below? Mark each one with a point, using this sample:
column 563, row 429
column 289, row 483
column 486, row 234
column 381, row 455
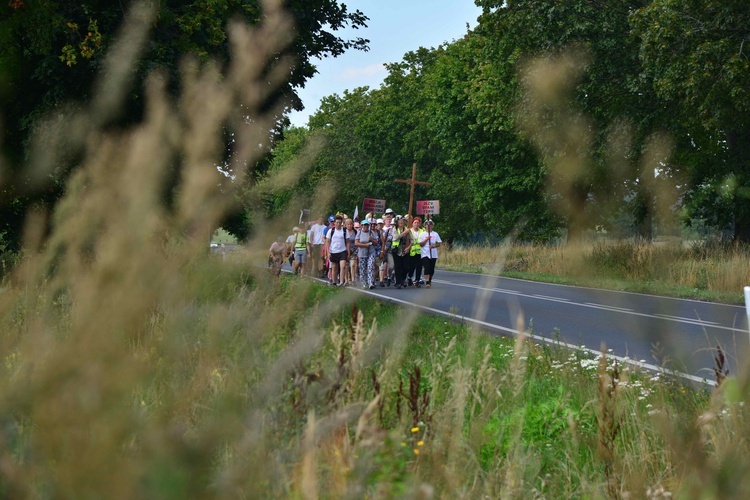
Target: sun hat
column 380, row 221
column 389, row 210
column 366, row 221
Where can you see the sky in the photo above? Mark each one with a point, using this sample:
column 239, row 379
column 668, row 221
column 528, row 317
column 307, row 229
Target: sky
column 395, row 28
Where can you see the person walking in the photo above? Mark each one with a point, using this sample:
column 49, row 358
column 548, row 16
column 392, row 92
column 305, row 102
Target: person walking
column 347, row 276
column 376, row 228
column 386, row 267
column 302, row 249
column 337, row 248
column 290, row 246
column 429, row 242
column 354, row 257
column 401, row 247
column 276, row 255
column 315, row 235
column 366, row 254
column 415, row 253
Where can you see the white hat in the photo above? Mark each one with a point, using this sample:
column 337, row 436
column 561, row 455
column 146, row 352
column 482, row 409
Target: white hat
column 380, row 221
column 389, row 210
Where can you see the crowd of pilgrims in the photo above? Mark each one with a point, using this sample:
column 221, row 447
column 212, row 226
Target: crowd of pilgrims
column 374, row 252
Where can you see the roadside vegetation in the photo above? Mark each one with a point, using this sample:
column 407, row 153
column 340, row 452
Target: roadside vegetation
column 222, row 381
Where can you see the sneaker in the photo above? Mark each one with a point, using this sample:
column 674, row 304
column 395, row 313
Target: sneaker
column 417, row 285
column 372, row 287
column 421, row 282
column 382, row 285
column 388, row 282
column 364, row 287
column 429, row 284
column 398, row 286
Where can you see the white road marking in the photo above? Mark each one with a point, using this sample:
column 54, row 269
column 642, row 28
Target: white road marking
column 590, row 305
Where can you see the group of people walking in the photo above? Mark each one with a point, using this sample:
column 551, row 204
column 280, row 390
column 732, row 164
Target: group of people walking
column 392, row 250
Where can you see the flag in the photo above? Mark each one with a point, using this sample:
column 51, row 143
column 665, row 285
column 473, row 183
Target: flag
column 355, row 217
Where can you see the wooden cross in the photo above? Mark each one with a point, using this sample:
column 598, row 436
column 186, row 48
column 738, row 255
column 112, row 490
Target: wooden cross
column 413, row 182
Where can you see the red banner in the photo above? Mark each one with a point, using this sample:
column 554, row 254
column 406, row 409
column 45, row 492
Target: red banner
column 373, row 206
column 428, row 207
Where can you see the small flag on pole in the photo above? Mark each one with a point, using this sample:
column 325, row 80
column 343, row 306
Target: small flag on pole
column 355, row 217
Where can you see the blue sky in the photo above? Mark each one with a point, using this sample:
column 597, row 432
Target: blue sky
column 395, row 28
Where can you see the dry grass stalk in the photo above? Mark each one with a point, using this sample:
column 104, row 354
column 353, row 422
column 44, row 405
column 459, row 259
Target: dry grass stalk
column 608, row 422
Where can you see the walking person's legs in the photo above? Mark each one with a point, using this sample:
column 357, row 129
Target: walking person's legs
column 371, row 271
column 363, row 272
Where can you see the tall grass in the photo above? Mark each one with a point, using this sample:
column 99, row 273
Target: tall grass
column 137, row 365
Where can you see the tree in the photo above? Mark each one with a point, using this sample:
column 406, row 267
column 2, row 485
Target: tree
column 603, row 97
column 696, row 57
column 51, row 52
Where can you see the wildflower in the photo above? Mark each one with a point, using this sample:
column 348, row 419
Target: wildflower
column 416, row 451
column 414, row 429
column 420, row 443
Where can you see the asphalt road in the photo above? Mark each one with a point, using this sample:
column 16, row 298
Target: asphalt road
column 644, row 329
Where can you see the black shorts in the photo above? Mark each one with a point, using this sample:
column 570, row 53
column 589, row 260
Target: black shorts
column 338, row 257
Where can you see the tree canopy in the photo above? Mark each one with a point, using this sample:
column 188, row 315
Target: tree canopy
column 565, row 116
column 51, row 52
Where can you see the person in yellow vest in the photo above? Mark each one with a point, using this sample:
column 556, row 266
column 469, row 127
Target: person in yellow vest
column 415, row 253
column 302, row 249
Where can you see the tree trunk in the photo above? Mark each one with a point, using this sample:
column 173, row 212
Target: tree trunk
column 578, row 219
column 643, row 215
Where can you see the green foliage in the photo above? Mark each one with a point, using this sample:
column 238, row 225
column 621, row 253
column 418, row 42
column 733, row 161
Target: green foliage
column 694, row 56
column 53, row 53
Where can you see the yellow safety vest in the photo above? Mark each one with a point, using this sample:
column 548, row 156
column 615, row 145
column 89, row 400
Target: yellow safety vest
column 415, row 248
column 300, row 245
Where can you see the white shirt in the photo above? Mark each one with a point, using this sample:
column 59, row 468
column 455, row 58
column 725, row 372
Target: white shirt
column 316, row 234
column 336, row 237
column 433, row 237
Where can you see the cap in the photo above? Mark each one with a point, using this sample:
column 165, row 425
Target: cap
column 331, row 218
column 366, row 221
column 389, row 210
column 379, row 221
column 430, row 221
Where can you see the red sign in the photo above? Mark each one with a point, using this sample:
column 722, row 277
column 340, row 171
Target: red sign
column 428, row 207
column 373, row 206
